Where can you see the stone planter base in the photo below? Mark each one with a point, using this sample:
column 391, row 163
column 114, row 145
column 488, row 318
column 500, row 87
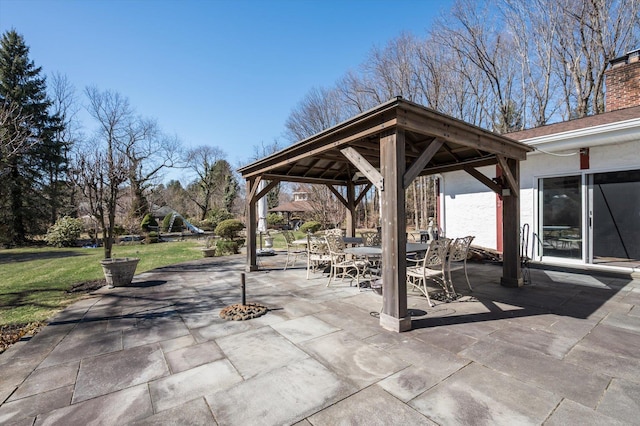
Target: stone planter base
column 208, row 252
column 119, row 272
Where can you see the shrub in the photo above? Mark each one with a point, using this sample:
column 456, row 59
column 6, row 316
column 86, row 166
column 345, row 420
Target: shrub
column 119, row 230
column 228, row 229
column 148, row 221
column 151, row 238
column 274, row 219
column 65, row 232
column 178, row 224
column 227, row 247
column 216, row 216
column 310, row 226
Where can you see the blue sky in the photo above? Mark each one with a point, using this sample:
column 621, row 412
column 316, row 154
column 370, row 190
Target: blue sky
column 222, row 73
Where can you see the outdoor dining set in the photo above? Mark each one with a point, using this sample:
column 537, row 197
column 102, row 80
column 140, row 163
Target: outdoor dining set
column 429, row 263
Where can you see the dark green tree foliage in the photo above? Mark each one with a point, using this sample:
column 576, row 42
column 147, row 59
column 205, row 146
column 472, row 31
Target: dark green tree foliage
column 148, row 221
column 273, row 197
column 177, row 225
column 30, row 126
column 230, row 191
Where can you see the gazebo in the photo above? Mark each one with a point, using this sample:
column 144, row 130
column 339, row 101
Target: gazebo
column 389, row 146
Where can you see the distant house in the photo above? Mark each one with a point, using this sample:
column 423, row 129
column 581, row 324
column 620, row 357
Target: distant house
column 580, row 188
column 294, row 211
column 159, row 212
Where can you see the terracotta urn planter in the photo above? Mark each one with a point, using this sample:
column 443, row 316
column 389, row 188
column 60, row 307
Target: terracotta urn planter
column 119, row 272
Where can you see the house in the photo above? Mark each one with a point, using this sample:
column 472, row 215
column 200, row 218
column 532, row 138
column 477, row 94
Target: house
column 293, row 210
column 579, row 188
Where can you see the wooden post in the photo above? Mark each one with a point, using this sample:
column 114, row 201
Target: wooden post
column 252, row 222
column 351, row 209
column 511, row 271
column 394, row 314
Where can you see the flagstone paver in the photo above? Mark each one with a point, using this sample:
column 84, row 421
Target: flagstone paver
column 562, row 350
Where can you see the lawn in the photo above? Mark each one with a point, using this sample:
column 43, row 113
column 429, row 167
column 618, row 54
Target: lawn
column 34, row 282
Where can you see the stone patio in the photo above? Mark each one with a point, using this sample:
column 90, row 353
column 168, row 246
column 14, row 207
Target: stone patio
column 562, row 350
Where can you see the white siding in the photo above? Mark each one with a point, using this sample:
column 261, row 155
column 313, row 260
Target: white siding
column 469, row 207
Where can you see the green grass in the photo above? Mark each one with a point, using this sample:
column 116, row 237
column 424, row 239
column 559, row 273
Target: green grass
column 34, row 281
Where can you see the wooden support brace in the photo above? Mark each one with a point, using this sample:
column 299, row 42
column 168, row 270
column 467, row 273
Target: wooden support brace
column 420, row 162
column 514, row 186
column 484, row 179
column 338, row 195
column 363, row 193
column 364, row 167
column 266, row 189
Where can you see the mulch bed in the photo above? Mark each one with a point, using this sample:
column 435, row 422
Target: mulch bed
column 240, row 312
column 11, row 333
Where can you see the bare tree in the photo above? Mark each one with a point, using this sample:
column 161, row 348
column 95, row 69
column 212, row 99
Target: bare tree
column 590, row 34
column 149, row 152
column 210, row 168
column 319, row 110
column 260, row 151
column 14, row 138
column 477, row 40
column 393, row 69
column 65, row 106
column 327, row 209
column 356, row 94
column 100, row 168
column 534, row 35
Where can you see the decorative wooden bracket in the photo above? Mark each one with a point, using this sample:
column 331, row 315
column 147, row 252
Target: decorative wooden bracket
column 361, row 163
column 338, row 195
column 420, row 162
column 493, row 185
column 508, row 174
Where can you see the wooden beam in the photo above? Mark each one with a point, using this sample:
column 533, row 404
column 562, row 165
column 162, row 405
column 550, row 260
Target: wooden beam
column 266, row 189
column 301, row 151
column 301, row 179
column 484, row 179
column 513, row 183
column 420, row 163
column 364, row 167
column 338, row 195
column 477, row 162
column 252, row 187
column 451, row 130
column 363, row 192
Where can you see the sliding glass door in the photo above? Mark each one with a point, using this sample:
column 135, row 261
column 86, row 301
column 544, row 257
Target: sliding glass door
column 561, row 216
column 615, row 216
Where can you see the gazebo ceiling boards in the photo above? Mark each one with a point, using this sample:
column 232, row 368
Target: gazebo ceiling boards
column 389, row 146
column 319, row 159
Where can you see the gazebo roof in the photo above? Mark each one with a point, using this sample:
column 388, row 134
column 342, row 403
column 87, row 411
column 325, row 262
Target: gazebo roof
column 322, row 158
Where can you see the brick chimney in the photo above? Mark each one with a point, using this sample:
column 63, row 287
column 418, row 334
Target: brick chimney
column 623, row 82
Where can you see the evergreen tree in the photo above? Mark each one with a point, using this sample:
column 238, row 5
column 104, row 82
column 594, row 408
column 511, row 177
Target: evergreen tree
column 23, row 94
column 230, row 191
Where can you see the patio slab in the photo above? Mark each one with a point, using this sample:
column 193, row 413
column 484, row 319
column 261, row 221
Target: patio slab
column 371, row 406
column 561, row 350
column 105, row 374
column 479, row 395
column 281, row 396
